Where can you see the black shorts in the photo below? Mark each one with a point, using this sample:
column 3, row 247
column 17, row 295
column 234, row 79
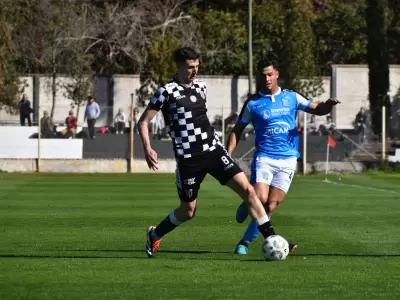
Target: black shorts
column 190, row 172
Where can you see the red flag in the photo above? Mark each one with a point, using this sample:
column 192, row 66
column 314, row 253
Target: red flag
column 331, row 142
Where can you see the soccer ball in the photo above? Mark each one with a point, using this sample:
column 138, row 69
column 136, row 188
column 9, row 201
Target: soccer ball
column 275, row 247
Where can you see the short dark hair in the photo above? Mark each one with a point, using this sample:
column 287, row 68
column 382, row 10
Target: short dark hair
column 266, row 62
column 184, row 53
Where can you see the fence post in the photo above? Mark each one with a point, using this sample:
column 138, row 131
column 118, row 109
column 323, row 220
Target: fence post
column 305, row 144
column 39, row 136
column 383, row 133
column 131, row 136
column 223, row 125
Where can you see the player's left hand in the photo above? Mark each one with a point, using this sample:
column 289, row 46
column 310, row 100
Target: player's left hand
column 332, row 101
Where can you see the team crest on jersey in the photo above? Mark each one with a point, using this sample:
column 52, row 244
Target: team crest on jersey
column 266, row 114
column 193, row 98
column 285, row 102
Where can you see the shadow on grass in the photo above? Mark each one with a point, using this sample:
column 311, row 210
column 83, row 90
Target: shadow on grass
column 159, row 251
column 199, row 252
column 334, row 255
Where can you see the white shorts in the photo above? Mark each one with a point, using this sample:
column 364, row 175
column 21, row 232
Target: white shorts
column 276, row 172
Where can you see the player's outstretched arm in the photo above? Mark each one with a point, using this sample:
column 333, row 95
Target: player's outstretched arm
column 234, row 137
column 322, row 108
column 144, row 121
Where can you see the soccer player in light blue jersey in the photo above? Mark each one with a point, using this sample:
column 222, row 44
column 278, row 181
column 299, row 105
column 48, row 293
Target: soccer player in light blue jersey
column 272, row 112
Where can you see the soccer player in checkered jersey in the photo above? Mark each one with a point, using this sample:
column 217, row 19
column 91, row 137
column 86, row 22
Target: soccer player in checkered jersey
column 197, row 149
column 273, row 112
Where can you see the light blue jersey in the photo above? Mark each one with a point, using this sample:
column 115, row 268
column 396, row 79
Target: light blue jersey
column 274, row 121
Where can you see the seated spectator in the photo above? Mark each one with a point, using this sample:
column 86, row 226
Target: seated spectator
column 119, row 122
column 46, row 126
column 72, row 124
column 328, row 127
column 312, row 126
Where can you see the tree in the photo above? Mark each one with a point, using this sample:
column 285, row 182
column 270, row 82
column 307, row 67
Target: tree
column 170, row 28
column 298, row 57
column 340, row 30
column 222, row 40
column 48, row 44
column 81, row 84
column 160, row 66
column 10, row 84
column 378, row 61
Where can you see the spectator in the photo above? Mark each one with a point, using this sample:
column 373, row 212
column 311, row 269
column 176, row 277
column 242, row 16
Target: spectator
column 119, row 121
column 361, row 123
column 157, row 126
column 46, row 126
column 313, row 127
column 72, row 124
column 92, row 112
column 328, row 127
column 25, row 110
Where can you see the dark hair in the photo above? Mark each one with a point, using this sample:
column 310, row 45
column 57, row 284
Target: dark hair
column 266, row 62
column 185, row 53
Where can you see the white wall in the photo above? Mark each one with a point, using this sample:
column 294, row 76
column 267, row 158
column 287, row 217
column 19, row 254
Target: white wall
column 326, row 86
column 352, row 89
column 19, row 145
column 351, row 85
column 124, row 86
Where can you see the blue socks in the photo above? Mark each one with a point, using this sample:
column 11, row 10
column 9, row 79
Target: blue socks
column 251, row 233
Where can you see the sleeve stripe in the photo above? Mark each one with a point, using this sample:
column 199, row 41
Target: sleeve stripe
column 244, row 107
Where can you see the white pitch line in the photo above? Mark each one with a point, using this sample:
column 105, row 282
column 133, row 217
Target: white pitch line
column 356, row 186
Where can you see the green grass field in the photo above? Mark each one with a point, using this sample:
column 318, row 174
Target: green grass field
column 83, row 236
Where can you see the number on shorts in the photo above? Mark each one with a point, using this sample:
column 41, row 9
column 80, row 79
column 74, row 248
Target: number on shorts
column 290, row 175
column 225, row 160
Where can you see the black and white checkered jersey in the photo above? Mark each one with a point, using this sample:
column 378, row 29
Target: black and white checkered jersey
column 185, row 115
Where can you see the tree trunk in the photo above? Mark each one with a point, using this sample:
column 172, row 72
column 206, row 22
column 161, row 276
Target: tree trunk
column 77, row 112
column 54, row 82
column 378, row 61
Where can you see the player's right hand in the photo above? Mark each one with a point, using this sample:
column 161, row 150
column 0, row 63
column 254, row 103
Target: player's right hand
column 151, row 159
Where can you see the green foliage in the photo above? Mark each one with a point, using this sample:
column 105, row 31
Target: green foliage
column 298, row 57
column 81, row 84
column 340, row 31
column 223, row 42
column 160, row 66
column 10, row 84
column 378, row 61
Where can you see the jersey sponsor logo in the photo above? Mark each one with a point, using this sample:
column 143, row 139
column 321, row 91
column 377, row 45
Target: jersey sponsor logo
column 180, row 97
column 278, row 128
column 280, row 111
column 266, row 114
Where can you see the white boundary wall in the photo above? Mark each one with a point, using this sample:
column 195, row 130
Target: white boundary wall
column 348, row 83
